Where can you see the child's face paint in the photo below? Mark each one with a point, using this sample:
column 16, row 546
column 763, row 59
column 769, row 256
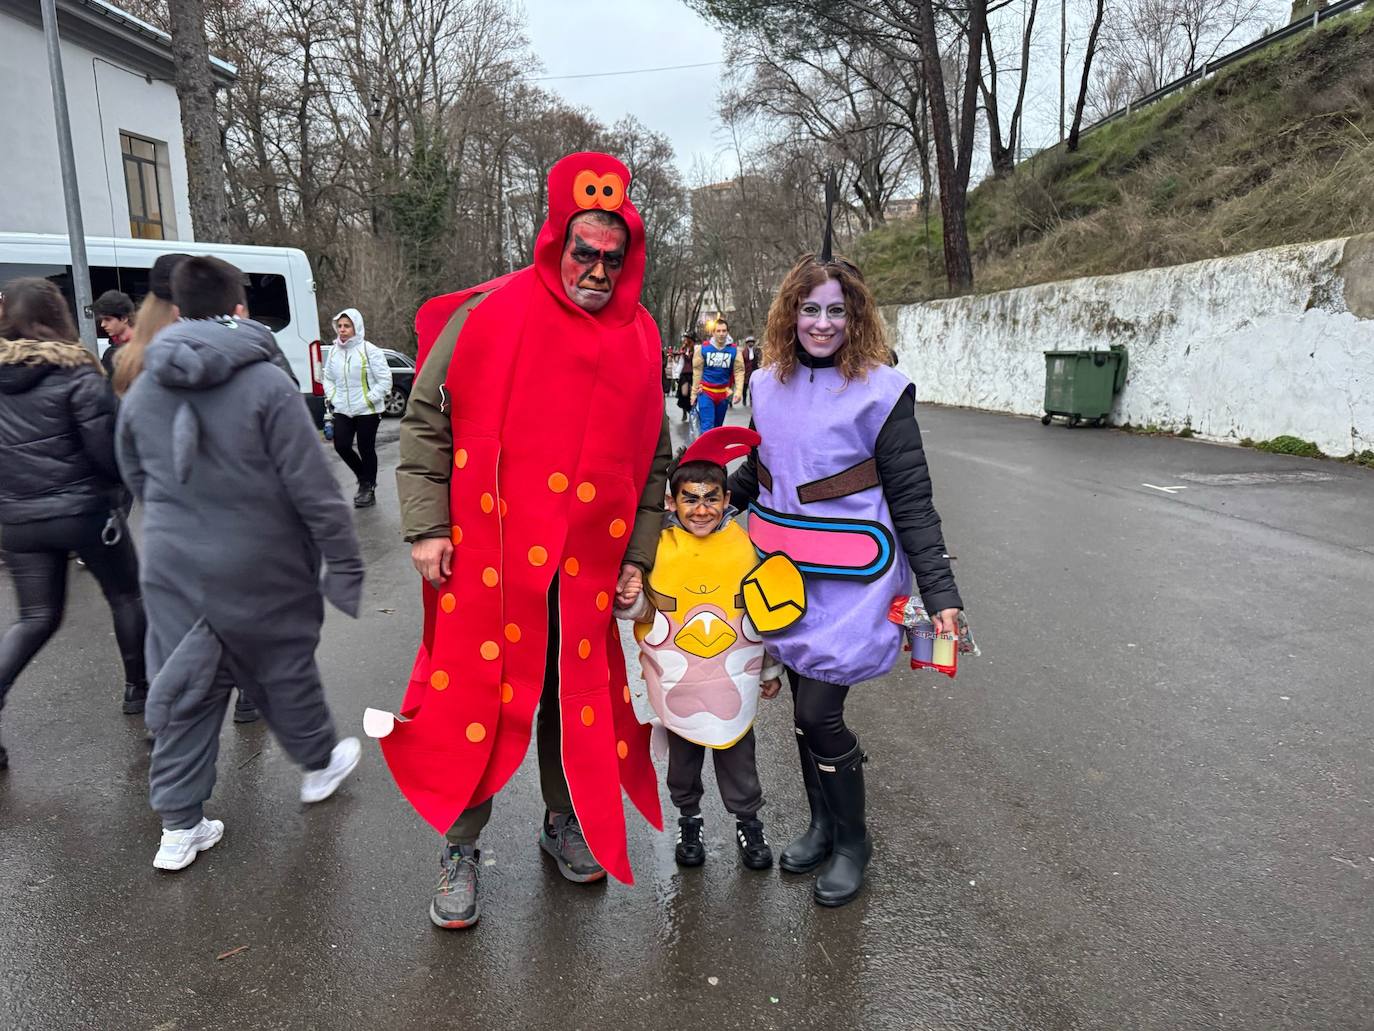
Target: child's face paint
column 700, row 507
column 821, row 320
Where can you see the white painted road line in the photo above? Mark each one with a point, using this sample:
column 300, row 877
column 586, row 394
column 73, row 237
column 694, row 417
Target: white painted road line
column 1165, row 490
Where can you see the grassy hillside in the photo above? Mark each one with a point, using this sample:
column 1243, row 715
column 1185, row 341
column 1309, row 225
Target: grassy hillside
column 1277, row 149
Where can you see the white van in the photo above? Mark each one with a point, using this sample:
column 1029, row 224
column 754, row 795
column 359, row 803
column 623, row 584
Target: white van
column 280, row 286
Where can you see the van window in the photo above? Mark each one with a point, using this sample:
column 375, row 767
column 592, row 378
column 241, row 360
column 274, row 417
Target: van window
column 269, row 301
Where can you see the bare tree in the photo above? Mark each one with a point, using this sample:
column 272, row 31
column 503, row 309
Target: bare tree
column 1003, row 155
column 1088, row 55
column 195, row 86
column 1154, row 42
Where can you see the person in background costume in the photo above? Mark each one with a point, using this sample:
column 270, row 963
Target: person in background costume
column 703, row 660
column 240, row 512
column 717, row 376
column 840, row 504
column 530, row 513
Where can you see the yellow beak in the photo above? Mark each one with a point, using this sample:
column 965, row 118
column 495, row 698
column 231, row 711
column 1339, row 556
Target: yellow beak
column 706, row 635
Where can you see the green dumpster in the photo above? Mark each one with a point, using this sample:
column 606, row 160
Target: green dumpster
column 1080, row 385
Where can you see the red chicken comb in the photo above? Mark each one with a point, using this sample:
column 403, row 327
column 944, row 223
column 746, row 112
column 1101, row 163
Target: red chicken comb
column 722, row 445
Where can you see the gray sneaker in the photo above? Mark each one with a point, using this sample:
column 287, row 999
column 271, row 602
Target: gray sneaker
column 456, row 902
column 562, row 838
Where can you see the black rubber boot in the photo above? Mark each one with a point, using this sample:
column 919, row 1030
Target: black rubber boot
column 135, row 698
column 842, row 783
column 813, row 847
column 245, row 711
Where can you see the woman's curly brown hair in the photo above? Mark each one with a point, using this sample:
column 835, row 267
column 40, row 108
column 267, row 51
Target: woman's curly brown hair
column 865, row 337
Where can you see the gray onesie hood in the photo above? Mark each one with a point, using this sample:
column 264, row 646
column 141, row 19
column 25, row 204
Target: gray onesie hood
column 201, row 354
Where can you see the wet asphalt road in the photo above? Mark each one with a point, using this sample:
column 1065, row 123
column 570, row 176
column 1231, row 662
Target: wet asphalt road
column 1148, row 805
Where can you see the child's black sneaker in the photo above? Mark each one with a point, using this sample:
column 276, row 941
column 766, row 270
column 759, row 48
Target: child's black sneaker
column 753, row 846
column 690, row 851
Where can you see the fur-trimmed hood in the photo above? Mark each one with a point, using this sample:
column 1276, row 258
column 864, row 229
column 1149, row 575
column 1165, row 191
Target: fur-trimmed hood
column 24, row 363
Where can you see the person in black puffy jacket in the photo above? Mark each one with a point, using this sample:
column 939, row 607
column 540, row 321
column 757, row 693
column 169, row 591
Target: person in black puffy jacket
column 61, row 491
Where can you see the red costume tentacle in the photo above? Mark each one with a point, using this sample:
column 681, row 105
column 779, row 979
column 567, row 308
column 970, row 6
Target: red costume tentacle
column 637, row 774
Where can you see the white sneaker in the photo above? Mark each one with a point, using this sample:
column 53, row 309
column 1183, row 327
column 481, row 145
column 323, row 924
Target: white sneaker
column 180, row 848
column 317, row 785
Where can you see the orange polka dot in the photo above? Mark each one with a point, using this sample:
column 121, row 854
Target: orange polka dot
column 538, row 555
column 476, row 732
column 448, row 603
column 460, row 457
column 558, row 483
column 622, row 749
column 507, row 693
column 488, row 502
column 438, row 680
column 602, row 600
column 572, row 566
column 512, row 633
column 457, row 535
column 585, row 492
column 490, row 577
column 588, row 716
column 618, row 528
column 490, row 649
column 626, row 690
column 504, row 508
column 584, row 648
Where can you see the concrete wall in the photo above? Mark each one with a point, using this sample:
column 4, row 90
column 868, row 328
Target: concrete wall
column 1275, row 342
column 31, row 200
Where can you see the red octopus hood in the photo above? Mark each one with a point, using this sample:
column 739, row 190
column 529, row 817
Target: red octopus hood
column 589, row 181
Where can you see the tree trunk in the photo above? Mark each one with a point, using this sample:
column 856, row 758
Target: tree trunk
column 1087, row 69
column 199, row 125
column 953, row 176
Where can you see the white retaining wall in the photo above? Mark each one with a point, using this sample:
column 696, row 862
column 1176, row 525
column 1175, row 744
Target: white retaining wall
column 1279, row 341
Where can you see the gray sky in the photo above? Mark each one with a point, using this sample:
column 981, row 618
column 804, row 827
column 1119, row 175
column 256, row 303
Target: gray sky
column 567, row 37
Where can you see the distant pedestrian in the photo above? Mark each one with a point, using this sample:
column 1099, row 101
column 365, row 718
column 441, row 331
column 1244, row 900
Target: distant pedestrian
column 751, row 363
column 114, row 313
column 60, row 490
column 240, row 512
column 684, row 375
column 155, row 313
column 357, row 380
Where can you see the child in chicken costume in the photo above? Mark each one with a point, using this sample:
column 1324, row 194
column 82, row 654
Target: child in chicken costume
column 702, row 658
column 544, row 483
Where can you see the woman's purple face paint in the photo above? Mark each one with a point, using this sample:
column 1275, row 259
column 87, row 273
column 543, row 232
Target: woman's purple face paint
column 821, row 320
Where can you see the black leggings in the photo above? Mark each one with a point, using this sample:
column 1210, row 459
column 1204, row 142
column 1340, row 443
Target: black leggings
column 818, row 712
column 36, row 556
column 364, row 463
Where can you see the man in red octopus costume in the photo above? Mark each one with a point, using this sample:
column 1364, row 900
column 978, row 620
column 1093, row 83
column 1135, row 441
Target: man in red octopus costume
column 534, row 457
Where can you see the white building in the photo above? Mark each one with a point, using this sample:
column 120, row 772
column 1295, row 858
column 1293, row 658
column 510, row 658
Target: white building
column 126, row 123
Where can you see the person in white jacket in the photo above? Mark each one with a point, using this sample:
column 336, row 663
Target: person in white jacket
column 357, row 380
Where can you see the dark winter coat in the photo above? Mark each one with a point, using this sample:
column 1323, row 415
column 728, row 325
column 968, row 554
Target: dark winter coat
column 240, row 506
column 57, row 423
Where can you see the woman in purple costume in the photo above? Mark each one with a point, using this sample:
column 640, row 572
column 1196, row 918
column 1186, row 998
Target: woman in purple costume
column 840, row 487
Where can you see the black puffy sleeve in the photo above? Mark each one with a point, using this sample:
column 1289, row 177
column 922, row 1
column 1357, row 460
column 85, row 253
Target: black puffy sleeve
column 905, row 478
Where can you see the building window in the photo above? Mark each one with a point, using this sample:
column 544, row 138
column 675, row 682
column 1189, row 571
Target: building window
column 143, row 184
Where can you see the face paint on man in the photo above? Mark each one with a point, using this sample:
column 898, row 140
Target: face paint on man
column 592, row 261
column 821, row 320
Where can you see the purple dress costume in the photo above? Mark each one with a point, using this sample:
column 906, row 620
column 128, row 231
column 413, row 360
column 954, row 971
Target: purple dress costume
column 826, row 510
